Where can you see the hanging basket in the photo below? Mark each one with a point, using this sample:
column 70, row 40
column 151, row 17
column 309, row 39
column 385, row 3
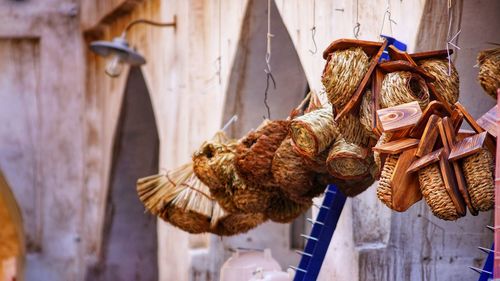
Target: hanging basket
column 313, row 132
column 478, row 171
column 348, row 160
column 403, row 87
column 489, row 71
column 249, row 198
column 446, row 85
column 353, row 132
column 377, row 168
column 317, row 164
column 227, row 224
column 435, row 193
column 366, row 113
column 255, row 153
column 384, row 189
column 343, row 73
column 352, row 188
column 284, row 210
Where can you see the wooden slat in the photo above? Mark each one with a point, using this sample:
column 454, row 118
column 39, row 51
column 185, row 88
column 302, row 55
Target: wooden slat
column 472, row 122
column 378, row 77
column 405, row 186
column 401, row 65
column 488, row 121
column 438, row 54
column 397, row 146
column 425, row 161
column 457, row 119
column 434, row 107
column 369, row 47
column 399, row 117
column 468, row 146
column 429, row 137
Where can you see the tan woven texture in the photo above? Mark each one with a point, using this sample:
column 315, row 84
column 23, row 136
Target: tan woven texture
column 317, row 163
column 348, row 160
column 188, row 221
column 343, row 72
column 377, row 168
column 354, row 187
column 249, row 198
column 403, row 87
column 284, row 210
column 489, row 71
column 479, row 174
column 313, row 132
column 366, row 114
column 353, row 131
column 232, row 224
column 446, row 85
column 435, row 194
column 212, row 164
column 384, row 189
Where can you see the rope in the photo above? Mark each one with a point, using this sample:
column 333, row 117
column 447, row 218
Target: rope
column 356, row 28
column 313, row 30
column 269, row 75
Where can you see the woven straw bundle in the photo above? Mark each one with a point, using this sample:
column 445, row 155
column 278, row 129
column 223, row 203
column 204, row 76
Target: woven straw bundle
column 320, row 182
column 366, row 113
column 255, row 152
column 446, row 85
column 377, row 168
column 435, row 194
column 284, row 210
column 313, row 132
column 352, row 188
column 343, row 72
column 249, row 198
column 353, row 132
column 403, row 87
column 348, row 160
column 489, row 71
column 227, row 224
column 317, row 163
column 384, row 189
column 478, row 172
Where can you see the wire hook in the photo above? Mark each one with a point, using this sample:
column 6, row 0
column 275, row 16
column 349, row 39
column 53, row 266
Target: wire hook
column 313, row 31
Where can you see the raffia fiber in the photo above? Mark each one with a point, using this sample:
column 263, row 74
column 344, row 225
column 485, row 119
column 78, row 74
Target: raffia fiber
column 489, row 71
column 377, row 168
column 435, row 194
column 446, row 85
column 249, row 198
column 384, row 189
column 255, row 153
column 343, row 72
column 227, row 224
column 353, row 132
column 284, row 210
column 313, row 132
column 403, row 87
column 348, row 160
column 478, row 171
column 366, row 114
column 354, row 187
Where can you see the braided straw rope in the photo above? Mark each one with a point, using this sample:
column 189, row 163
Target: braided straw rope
column 403, row 87
column 343, row 72
column 249, row 198
column 313, row 132
column 384, row 189
column 489, row 71
column 348, row 160
column 354, row 187
column 435, row 194
column 446, row 85
column 478, row 172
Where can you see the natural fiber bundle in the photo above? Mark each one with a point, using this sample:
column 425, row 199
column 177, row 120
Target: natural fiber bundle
column 284, row 210
column 489, row 71
column 249, row 198
column 343, row 72
column 384, row 189
column 352, row 188
column 289, row 170
column 403, row 87
column 313, row 132
column 446, row 85
column 435, row 194
column 157, row 191
column 255, row 152
column 348, row 160
column 319, row 185
column 353, row 132
column 227, row 224
column 478, row 172
column 317, row 163
column 366, row 114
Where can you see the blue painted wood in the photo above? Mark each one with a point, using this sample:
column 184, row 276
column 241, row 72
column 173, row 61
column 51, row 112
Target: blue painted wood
column 488, row 266
column 321, row 234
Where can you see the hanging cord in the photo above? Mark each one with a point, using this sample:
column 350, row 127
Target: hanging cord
column 233, row 119
column 313, row 30
column 453, row 38
column 355, row 29
column 387, row 14
column 269, row 75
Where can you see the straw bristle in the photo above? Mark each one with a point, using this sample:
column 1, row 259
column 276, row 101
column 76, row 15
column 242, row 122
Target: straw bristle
column 403, row 87
column 343, row 72
column 446, row 85
column 489, row 71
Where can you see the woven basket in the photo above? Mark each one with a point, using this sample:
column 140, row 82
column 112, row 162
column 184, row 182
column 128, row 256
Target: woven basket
column 317, row 163
column 435, row 193
column 249, row 198
column 446, row 85
column 255, row 153
column 366, row 114
column 353, row 132
column 284, row 210
column 377, row 168
column 352, row 188
column 384, row 189
column 313, row 132
column 343, row 72
column 403, row 87
column 227, row 224
column 188, row 221
column 489, row 71
column 478, row 172
column 348, row 160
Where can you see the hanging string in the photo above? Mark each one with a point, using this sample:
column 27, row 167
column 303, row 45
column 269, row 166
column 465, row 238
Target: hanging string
column 219, row 58
column 233, row 119
column 269, row 75
column 356, row 28
column 313, row 30
column 450, row 41
column 387, row 14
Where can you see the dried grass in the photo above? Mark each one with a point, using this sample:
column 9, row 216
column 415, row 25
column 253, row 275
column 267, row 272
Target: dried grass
column 227, row 224
column 284, row 210
column 366, row 114
column 348, row 161
column 489, row 71
column 353, row 132
column 446, row 85
column 403, row 87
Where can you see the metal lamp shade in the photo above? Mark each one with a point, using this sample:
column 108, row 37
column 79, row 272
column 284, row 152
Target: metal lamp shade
column 118, row 46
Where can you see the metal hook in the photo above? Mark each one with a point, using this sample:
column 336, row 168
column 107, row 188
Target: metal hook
column 233, row 119
column 355, row 30
column 313, row 34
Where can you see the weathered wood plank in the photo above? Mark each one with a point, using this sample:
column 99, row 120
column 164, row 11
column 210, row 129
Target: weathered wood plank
column 426, row 160
column 429, row 137
column 488, row 121
column 434, row 107
column 468, row 146
column 399, row 117
column 405, row 186
column 397, row 146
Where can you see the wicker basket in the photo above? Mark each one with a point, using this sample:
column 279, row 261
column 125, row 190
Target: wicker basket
column 353, row 132
column 317, row 164
column 489, row 71
column 313, row 132
column 348, row 160
column 435, row 193
column 403, row 87
column 352, row 188
column 188, row 221
column 366, row 114
column 227, row 224
column 384, row 189
column 446, row 85
column 343, row 72
column 479, row 174
column 255, row 153
column 284, row 210
column 249, row 198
